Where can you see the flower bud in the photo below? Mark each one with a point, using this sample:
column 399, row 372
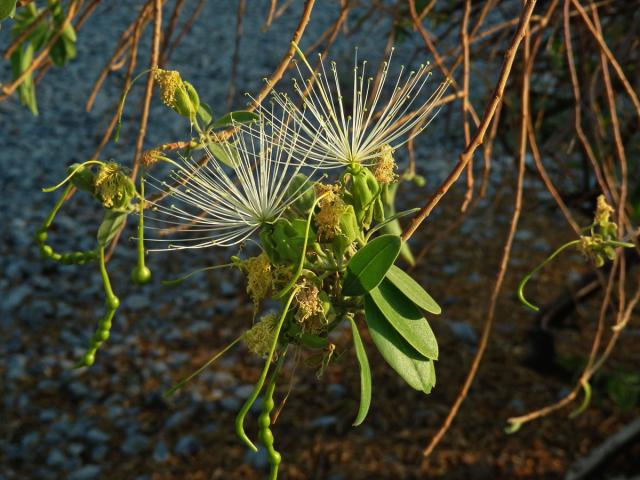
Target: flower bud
column 83, row 178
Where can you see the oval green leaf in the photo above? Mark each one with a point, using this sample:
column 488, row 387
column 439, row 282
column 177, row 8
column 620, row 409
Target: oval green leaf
column 111, row 223
column 416, row 370
column 407, row 320
column 237, row 117
column 365, row 375
column 227, row 154
column 369, row 265
column 412, row 290
column 6, row 8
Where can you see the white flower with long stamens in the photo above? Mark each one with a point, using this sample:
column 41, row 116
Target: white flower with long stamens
column 356, row 136
column 223, row 206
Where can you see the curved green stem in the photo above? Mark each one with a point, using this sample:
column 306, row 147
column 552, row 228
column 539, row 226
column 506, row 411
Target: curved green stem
column 54, row 211
column 586, row 387
column 296, row 275
column 116, row 135
column 258, row 387
column 527, row 277
column 184, row 381
column 68, row 177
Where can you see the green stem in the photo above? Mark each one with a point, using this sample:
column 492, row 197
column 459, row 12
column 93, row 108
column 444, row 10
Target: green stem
column 116, row 135
column 108, row 291
column 68, row 177
column 527, row 277
column 52, row 214
column 258, row 387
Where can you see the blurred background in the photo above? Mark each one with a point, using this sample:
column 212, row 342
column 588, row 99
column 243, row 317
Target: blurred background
column 111, row 421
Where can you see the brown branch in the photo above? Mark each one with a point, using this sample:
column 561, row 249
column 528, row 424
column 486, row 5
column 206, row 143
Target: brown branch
column 25, row 33
column 504, row 262
column 231, row 91
column 478, row 137
column 610, row 57
column 8, row 90
column 153, row 64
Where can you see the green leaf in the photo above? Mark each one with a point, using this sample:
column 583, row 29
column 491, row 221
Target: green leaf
column 416, row 370
column 111, row 223
column 368, row 266
column 365, row 375
column 205, row 113
column 407, row 320
column 227, row 154
column 237, row 117
column 412, row 290
column 6, row 8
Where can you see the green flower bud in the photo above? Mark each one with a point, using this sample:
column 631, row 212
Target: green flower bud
column 83, row 178
column 302, row 188
column 141, row 275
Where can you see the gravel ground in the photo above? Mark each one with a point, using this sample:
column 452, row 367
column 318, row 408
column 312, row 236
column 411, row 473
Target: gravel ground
column 110, row 421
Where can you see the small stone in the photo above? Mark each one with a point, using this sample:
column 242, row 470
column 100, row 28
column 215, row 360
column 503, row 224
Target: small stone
column 88, row 472
column 56, row 458
column 135, row 444
column 258, row 460
column 463, row 331
column 336, row 390
column 161, row 452
column 97, row 436
column 231, row 404
column 324, row 421
column 99, row 453
column 187, row 446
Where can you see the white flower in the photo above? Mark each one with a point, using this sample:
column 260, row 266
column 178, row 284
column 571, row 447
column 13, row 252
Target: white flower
column 335, row 136
column 224, row 206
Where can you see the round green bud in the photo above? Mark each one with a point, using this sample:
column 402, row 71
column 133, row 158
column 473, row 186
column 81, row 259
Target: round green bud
column 276, row 458
column 264, row 421
column 266, row 437
column 112, row 302
column 56, row 256
column 268, row 404
column 67, row 258
column 40, row 236
column 46, row 251
column 79, row 257
column 102, row 335
column 89, row 358
column 141, row 275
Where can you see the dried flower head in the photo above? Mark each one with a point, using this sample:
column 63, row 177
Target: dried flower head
column 169, row 81
column 385, row 166
column 259, row 278
column 150, row 157
column 307, row 300
column 328, row 217
column 260, row 337
column 603, row 211
column 356, row 137
column 111, row 184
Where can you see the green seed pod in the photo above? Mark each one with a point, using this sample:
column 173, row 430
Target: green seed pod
column 79, row 257
column 186, row 101
column 193, row 96
column 83, row 178
column 67, row 258
column 141, row 275
column 364, row 188
column 56, row 257
column 101, row 336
